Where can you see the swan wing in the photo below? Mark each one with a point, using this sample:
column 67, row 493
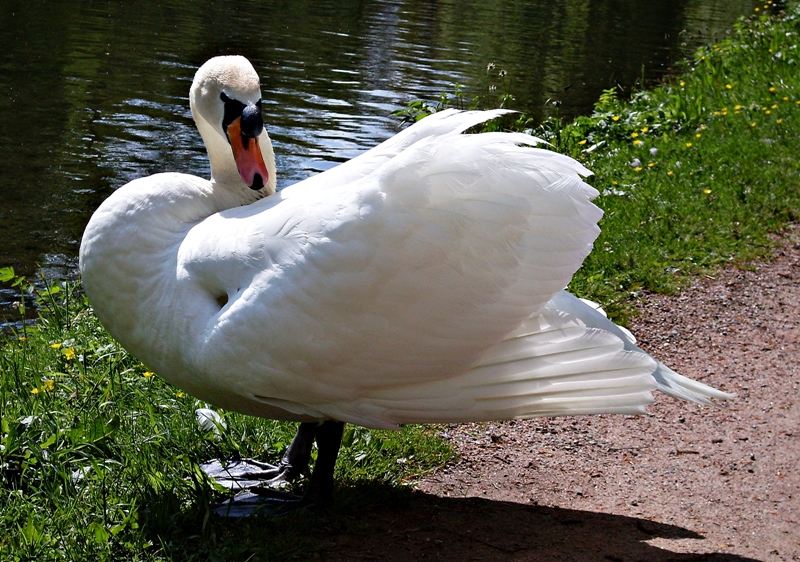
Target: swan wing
column 405, row 276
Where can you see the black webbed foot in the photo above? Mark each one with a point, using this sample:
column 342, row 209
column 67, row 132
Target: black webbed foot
column 259, row 483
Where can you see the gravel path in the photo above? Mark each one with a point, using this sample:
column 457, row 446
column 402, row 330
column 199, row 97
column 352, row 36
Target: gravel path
column 684, row 483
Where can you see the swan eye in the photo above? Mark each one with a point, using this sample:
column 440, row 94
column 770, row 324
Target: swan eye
column 233, row 110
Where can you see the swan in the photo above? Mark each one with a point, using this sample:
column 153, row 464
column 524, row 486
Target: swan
column 421, row 282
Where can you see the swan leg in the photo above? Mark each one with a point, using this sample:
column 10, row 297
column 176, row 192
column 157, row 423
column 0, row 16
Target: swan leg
column 319, row 490
column 296, row 458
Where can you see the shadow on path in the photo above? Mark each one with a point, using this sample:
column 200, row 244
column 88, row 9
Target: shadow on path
column 427, row 527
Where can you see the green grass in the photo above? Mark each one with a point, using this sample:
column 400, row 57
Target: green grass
column 98, row 458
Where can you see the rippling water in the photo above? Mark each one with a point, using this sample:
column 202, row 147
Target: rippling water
column 95, row 94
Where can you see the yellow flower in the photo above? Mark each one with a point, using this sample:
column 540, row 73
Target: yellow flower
column 767, row 112
column 69, row 354
column 757, row 9
column 638, row 168
column 728, row 86
column 753, row 124
column 706, row 191
column 716, row 113
column 22, row 338
column 637, row 142
column 683, row 84
column 772, row 89
column 669, row 173
column 779, row 121
column 582, row 142
column 774, row 106
column 615, row 118
column 650, row 165
column 645, row 129
column 148, row 374
column 634, row 134
column 797, row 102
column 179, row 394
column 614, row 182
column 785, row 98
column 698, row 135
column 703, row 57
column 48, row 385
column 738, row 108
column 688, row 144
column 56, row 345
column 35, row 391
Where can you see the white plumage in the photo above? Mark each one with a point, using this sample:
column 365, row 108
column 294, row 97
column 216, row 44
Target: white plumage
column 420, row 282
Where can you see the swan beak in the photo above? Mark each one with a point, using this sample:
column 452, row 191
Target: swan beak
column 247, row 154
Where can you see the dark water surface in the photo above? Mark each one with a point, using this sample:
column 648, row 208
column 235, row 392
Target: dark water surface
column 95, row 93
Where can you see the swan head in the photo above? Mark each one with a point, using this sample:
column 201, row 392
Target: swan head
column 226, row 105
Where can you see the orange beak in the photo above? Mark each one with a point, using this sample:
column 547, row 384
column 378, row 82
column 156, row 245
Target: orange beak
column 247, row 155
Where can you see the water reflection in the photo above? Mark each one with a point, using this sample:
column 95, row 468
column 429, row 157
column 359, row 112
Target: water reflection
column 96, row 94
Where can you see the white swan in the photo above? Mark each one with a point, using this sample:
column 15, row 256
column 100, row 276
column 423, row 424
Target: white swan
column 420, row 282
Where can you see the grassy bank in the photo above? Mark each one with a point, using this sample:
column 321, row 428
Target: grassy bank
column 98, row 457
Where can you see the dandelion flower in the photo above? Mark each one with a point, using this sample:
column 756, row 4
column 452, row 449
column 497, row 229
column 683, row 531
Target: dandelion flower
column 757, row 9
column 35, row 391
column 148, row 374
column 716, row 113
column 69, row 354
column 615, row 118
column 645, row 129
column 753, row 124
column 785, row 98
column 582, row 142
column 729, row 86
column 669, row 173
column 688, row 145
column 614, row 182
column 634, row 134
column 779, row 121
column 637, row 142
column 650, row 165
column 179, row 394
column 772, row 89
column 638, row 169
column 738, row 108
column 767, row 112
column 706, row 191
column 22, row 338
column 48, row 385
column 683, row 84
column 797, row 102
column 698, row 135
column 56, row 345
column 774, row 106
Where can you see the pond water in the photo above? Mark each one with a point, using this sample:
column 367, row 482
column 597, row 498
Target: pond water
column 95, row 94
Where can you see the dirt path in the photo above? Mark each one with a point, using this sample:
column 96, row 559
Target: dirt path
column 685, row 483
